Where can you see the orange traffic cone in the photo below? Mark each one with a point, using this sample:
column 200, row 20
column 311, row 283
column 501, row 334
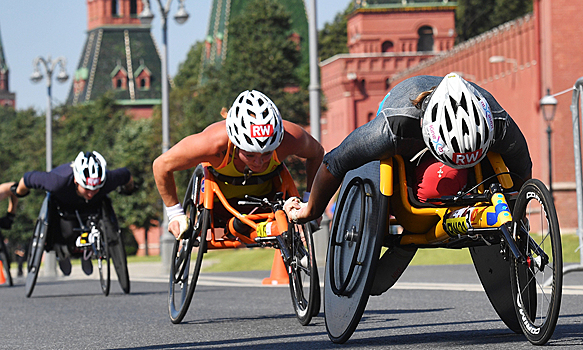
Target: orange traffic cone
column 278, row 272
column 2, row 278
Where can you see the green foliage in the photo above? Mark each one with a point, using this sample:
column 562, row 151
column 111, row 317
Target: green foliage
column 332, row 39
column 260, row 55
column 100, row 126
column 473, row 17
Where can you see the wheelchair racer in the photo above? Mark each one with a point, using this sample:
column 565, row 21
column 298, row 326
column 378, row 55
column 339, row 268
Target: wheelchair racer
column 77, row 187
column 457, row 121
column 7, row 220
column 244, row 150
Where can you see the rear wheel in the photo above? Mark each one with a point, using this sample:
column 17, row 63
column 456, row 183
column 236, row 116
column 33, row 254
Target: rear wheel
column 37, row 246
column 183, row 273
column 303, row 273
column 103, row 261
column 537, row 281
column 5, row 263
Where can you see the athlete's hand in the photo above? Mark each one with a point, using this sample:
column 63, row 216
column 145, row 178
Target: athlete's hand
column 178, row 225
column 293, row 208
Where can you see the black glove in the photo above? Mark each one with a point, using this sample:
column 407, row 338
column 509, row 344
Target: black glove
column 6, row 221
column 13, row 190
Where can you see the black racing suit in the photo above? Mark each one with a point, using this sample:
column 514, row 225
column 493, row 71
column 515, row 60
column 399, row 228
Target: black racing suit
column 396, row 130
column 65, row 201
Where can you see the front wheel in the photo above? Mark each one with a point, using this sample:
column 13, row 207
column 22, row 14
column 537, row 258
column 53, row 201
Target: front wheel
column 37, row 247
column 183, row 274
column 304, row 282
column 537, row 280
column 103, row 261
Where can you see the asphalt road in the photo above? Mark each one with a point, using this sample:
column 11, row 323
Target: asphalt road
column 430, row 307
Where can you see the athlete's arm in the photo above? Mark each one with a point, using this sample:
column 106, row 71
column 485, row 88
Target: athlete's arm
column 299, row 143
column 207, row 146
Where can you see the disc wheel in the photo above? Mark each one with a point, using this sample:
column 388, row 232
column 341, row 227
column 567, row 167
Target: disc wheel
column 537, row 279
column 353, row 251
column 184, row 274
column 36, row 249
column 304, row 283
column 103, row 261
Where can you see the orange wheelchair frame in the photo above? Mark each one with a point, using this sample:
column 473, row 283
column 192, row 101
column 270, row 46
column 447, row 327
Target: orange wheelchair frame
column 266, row 229
column 506, row 232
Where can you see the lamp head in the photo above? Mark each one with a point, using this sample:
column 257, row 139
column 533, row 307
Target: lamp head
column 146, row 16
column 181, row 16
column 36, row 76
column 548, row 104
column 62, row 76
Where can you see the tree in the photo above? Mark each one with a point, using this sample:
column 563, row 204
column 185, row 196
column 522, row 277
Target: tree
column 474, row 17
column 332, row 39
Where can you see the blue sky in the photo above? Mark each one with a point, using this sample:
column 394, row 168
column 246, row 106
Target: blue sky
column 32, row 28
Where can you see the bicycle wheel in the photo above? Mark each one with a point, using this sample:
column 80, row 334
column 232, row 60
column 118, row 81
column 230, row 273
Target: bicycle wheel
column 304, row 283
column 536, row 231
column 353, row 251
column 103, row 260
column 184, row 274
column 5, row 262
column 115, row 245
column 37, row 247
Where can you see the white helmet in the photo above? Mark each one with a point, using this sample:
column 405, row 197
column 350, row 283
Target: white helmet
column 457, row 123
column 254, row 123
column 89, row 170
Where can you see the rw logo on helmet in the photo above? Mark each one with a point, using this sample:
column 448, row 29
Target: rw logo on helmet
column 467, row 158
column 93, row 181
column 265, row 130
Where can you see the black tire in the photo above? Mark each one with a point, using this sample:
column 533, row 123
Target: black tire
column 539, row 240
column 5, row 263
column 358, row 226
column 37, row 247
column 183, row 274
column 103, row 261
column 116, row 246
column 304, row 283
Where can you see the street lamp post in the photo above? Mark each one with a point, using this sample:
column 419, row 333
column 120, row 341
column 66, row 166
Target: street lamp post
column 146, row 17
column 548, row 105
column 36, row 77
column 49, row 66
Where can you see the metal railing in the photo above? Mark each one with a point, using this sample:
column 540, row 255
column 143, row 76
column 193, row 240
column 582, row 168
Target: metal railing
column 575, row 111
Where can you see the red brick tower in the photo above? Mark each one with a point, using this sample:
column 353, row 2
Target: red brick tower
column 382, row 40
column 7, row 98
column 120, row 56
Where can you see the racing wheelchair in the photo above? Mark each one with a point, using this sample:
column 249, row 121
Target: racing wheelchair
column 104, row 244
column 265, row 226
column 513, row 238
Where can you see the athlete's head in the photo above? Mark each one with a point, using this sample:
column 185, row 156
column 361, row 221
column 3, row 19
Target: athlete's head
column 254, row 123
column 457, row 123
column 89, row 170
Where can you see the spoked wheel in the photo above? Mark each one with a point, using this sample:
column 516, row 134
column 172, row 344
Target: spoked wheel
column 353, row 251
column 537, row 281
column 5, row 262
column 304, row 283
column 115, row 245
column 103, row 261
column 184, row 274
column 37, row 246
